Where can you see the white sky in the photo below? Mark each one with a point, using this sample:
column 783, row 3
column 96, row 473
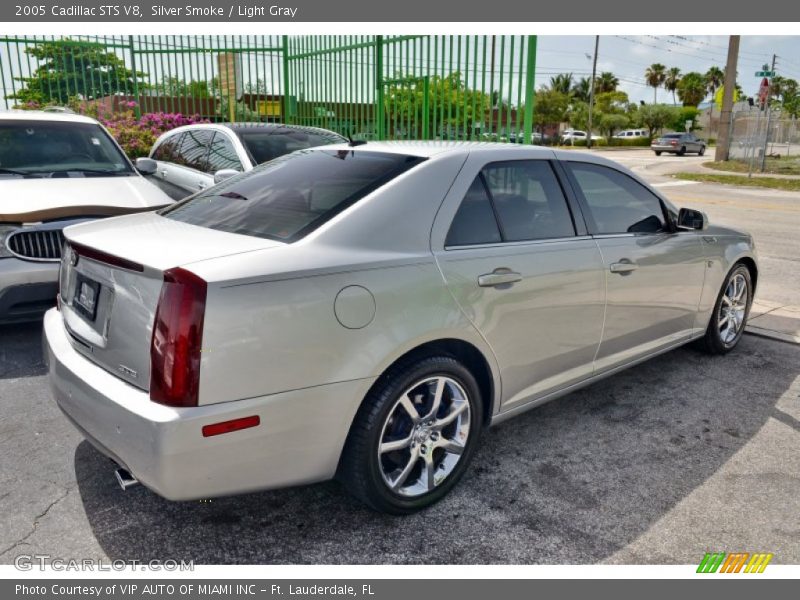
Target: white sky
column 628, row 56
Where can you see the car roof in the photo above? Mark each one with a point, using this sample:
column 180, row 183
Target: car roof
column 427, row 149
column 40, row 115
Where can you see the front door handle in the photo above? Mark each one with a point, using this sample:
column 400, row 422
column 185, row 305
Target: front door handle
column 499, row 277
column 623, row 267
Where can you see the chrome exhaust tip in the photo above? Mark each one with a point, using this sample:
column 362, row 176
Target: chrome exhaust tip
column 125, row 479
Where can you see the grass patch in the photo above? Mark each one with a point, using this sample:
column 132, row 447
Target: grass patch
column 776, row 166
column 792, row 185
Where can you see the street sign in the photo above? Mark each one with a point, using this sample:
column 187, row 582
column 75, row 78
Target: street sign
column 765, row 73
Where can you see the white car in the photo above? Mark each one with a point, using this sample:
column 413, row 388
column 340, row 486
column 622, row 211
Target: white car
column 574, row 135
column 56, row 169
column 194, row 157
column 632, row 134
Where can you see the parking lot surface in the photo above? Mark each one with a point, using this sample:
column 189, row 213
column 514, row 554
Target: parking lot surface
column 683, row 454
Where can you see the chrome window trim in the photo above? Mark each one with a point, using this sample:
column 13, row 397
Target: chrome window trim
column 521, row 242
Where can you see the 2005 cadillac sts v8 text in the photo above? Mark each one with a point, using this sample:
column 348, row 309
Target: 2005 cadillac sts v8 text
column 364, row 311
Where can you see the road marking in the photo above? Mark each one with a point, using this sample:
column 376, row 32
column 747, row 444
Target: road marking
column 673, row 183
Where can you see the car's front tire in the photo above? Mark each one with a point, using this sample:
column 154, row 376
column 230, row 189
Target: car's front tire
column 730, row 314
column 413, row 436
column 658, row 153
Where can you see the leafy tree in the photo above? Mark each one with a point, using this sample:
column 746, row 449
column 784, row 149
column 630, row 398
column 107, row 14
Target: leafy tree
column 683, row 114
column 655, row 75
column 452, row 104
column 715, row 77
column 74, row 69
column 606, row 82
column 173, row 86
column 692, row 89
column 550, row 109
column 613, row 122
column 656, row 116
column 615, row 102
column 578, row 115
column 671, row 80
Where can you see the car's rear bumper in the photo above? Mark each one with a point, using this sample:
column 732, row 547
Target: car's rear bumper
column 673, row 149
column 27, row 289
column 299, row 439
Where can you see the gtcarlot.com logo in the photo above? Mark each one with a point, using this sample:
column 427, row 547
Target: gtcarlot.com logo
column 736, row 562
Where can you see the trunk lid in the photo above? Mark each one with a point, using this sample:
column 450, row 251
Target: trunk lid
column 111, row 278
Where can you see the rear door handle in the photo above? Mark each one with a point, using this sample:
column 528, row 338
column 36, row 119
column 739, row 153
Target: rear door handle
column 623, row 267
column 499, row 277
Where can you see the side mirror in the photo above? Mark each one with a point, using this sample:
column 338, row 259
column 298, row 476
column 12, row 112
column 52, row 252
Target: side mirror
column 692, row 219
column 146, row 166
column 224, row 174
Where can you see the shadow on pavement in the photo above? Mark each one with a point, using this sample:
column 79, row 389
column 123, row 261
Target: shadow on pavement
column 21, row 350
column 571, row 482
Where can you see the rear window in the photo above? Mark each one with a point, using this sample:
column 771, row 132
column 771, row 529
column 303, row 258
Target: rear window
column 672, row 136
column 291, row 196
column 267, row 144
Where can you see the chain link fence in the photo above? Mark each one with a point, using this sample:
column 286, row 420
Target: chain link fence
column 754, row 132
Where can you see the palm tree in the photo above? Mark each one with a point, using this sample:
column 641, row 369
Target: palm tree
column 561, row 83
column 692, row 89
column 655, row 75
column 606, row 82
column 580, row 89
column 671, row 80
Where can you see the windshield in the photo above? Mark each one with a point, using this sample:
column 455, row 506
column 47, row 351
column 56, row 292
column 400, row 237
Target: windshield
column 267, row 144
column 291, row 196
column 58, row 149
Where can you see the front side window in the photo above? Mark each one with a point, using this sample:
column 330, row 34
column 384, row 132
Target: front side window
column 58, row 149
column 617, row 203
column 291, row 196
column 222, row 154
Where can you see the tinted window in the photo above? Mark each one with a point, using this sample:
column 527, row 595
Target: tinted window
column 38, row 148
column 293, row 195
column 528, row 200
column 193, row 150
column 671, row 136
column 267, row 144
column 167, row 148
column 618, row 203
column 474, row 222
column 222, row 154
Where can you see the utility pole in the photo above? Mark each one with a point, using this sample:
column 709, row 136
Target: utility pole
column 769, row 118
column 724, row 133
column 591, row 91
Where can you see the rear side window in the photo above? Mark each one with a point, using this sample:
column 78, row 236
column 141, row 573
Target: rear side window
column 291, row 196
column 167, row 148
column 617, row 203
column 512, row 201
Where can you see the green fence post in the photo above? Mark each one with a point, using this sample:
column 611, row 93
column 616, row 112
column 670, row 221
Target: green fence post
column 379, row 108
column 530, row 96
column 287, row 100
column 137, row 111
column 426, row 87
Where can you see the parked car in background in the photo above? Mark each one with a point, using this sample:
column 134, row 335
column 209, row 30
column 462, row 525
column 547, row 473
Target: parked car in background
column 194, row 157
column 365, row 311
column 632, row 134
column 575, row 135
column 56, row 169
column 678, row 143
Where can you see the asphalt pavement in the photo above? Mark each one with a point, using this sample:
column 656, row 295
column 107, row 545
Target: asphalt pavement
column 681, row 455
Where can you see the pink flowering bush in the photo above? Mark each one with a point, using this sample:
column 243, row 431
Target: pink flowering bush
column 136, row 136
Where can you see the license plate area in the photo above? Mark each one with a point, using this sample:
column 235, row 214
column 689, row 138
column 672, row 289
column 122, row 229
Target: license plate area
column 86, row 298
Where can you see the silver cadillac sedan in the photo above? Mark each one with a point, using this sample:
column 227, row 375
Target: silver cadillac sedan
column 364, row 311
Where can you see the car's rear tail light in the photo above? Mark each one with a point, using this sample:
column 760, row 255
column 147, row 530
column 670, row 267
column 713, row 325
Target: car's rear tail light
column 674, row 142
column 229, row 426
column 177, row 335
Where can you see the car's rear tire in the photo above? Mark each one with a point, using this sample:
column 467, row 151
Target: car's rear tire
column 658, row 153
column 682, row 151
column 731, row 310
column 702, row 151
column 406, row 449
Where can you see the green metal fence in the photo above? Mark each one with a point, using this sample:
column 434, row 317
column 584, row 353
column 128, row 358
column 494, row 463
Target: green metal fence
column 371, row 87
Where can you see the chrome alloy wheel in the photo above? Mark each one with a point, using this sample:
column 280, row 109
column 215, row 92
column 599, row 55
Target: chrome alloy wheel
column 424, row 436
column 732, row 309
